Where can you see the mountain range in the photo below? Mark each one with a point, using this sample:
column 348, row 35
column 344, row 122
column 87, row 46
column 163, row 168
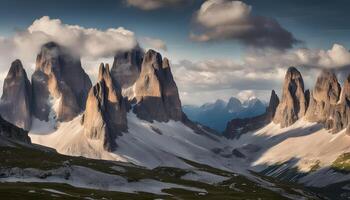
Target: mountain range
column 216, row 115
column 127, row 134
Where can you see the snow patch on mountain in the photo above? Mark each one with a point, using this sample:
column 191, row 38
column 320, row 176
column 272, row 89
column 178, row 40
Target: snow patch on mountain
column 83, row 177
column 302, row 145
column 147, row 144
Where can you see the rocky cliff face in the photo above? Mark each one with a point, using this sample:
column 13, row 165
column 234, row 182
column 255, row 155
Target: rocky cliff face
column 339, row 115
column 127, row 66
column 11, row 133
column 236, row 127
column 15, row 105
column 293, row 104
column 324, row 97
column 156, row 91
column 105, row 114
column 60, row 85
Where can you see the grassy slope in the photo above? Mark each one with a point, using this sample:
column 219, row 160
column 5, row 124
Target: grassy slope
column 24, row 157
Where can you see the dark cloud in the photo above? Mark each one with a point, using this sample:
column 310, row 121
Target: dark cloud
column 226, row 20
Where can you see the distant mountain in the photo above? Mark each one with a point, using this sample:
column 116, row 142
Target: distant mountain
column 216, row 115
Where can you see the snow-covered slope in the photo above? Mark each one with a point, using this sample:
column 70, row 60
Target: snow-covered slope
column 147, row 144
column 305, row 142
column 302, row 146
column 307, row 148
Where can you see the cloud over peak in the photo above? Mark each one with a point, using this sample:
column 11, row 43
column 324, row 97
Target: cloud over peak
column 154, row 43
column 233, row 20
column 155, row 4
column 86, row 42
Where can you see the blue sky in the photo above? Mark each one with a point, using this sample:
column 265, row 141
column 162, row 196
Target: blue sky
column 319, row 24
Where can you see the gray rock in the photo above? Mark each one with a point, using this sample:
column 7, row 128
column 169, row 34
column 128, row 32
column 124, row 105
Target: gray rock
column 10, row 133
column 60, row 85
column 127, row 66
column 16, row 98
column 293, row 103
column 324, row 97
column 339, row 116
column 105, row 115
column 156, row 93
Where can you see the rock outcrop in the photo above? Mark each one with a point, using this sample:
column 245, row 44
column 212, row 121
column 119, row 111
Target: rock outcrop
column 105, row 115
column 10, row 133
column 293, row 104
column 16, row 98
column 324, row 97
column 156, row 93
column 339, row 116
column 127, row 66
column 236, row 127
column 60, row 85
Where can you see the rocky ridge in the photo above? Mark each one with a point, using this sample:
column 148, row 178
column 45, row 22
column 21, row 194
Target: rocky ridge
column 236, row 127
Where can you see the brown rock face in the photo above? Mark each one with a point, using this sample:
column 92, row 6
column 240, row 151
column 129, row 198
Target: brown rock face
column 15, row 104
column 293, row 104
column 236, row 127
column 105, row 114
column 156, row 91
column 127, row 66
column 60, row 85
column 324, row 97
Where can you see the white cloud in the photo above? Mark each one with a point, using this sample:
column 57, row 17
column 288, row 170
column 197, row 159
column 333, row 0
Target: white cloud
column 154, row 4
column 258, row 73
column 153, row 43
column 246, row 94
column 227, row 19
column 89, row 43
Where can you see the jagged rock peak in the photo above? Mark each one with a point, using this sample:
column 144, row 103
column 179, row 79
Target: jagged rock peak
column 166, row 63
column 156, row 91
column 325, row 95
column 273, row 104
column 127, row 66
column 105, row 115
column 293, row 103
column 60, row 85
column 16, row 98
column 339, row 116
column 327, row 88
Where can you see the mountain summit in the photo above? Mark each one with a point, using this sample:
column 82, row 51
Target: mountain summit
column 157, row 96
column 16, row 98
column 105, row 114
column 293, row 103
column 60, row 85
